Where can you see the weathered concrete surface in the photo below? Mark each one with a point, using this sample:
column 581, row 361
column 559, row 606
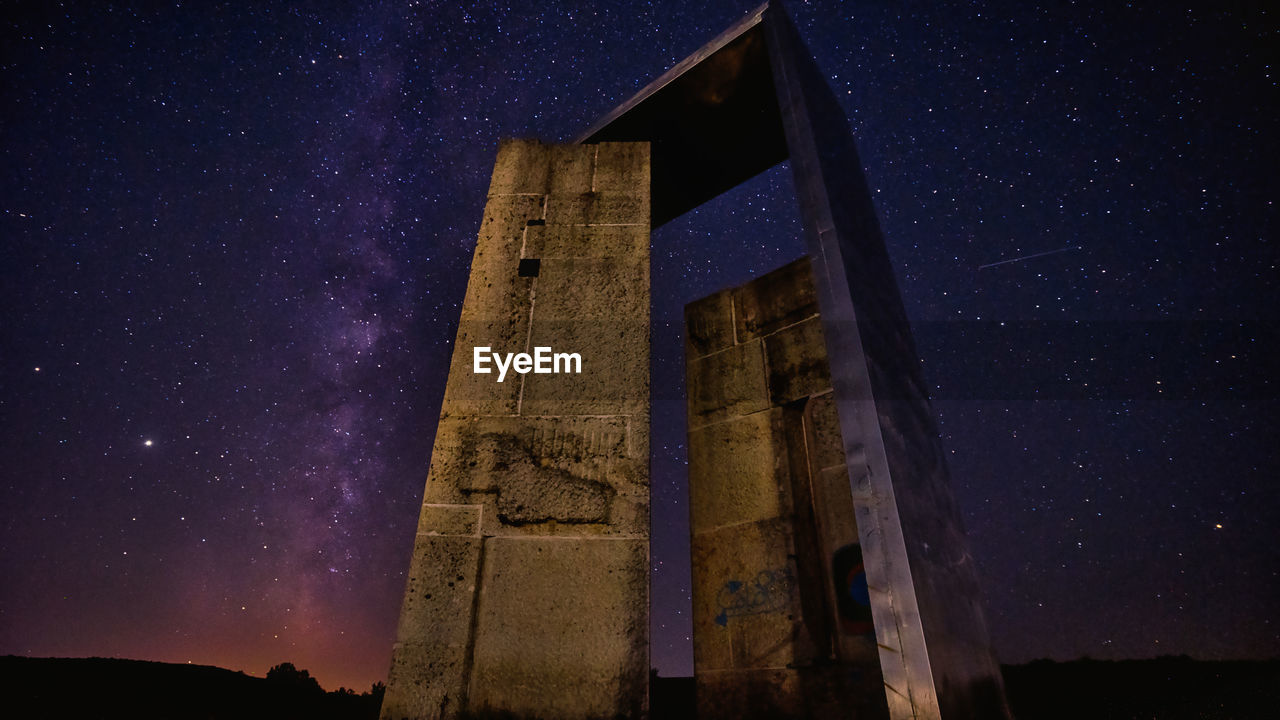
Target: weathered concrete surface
column 528, row 590
column 567, row 663
column 782, row 621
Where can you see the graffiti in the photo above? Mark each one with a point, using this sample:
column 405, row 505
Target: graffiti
column 769, row 591
column 853, row 599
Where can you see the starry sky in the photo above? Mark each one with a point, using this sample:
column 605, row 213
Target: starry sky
column 234, row 241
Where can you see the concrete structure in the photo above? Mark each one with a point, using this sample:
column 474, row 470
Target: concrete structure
column 747, row 100
column 539, row 485
column 528, row 592
column 781, row 615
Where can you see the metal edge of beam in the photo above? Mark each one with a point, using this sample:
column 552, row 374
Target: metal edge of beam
column 755, row 17
column 904, row 662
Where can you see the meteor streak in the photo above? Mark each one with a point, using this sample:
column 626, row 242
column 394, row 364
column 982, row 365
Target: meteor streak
column 1028, row 257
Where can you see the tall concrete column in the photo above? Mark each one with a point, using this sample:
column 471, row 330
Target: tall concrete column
column 781, row 616
column 528, row 592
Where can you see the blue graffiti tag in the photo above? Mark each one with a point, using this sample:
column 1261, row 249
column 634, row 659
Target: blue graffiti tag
column 769, row 591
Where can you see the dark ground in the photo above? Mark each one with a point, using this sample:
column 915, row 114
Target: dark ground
column 87, row 688
column 1169, row 688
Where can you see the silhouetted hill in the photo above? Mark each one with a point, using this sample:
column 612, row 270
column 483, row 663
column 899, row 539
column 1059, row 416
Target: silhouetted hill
column 82, row 689
column 1166, row 688
column 87, row 688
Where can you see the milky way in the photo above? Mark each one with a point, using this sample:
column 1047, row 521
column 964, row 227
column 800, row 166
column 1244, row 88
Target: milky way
column 235, row 244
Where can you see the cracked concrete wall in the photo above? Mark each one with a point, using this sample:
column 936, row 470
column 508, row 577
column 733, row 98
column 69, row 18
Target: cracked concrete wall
column 781, row 614
column 528, row 591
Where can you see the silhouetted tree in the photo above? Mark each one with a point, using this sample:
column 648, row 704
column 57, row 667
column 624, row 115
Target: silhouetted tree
column 285, row 675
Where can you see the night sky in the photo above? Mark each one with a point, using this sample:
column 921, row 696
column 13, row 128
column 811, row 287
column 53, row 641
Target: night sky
column 234, row 241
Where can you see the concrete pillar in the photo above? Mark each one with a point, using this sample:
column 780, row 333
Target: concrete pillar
column 528, row 591
column 782, row 621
